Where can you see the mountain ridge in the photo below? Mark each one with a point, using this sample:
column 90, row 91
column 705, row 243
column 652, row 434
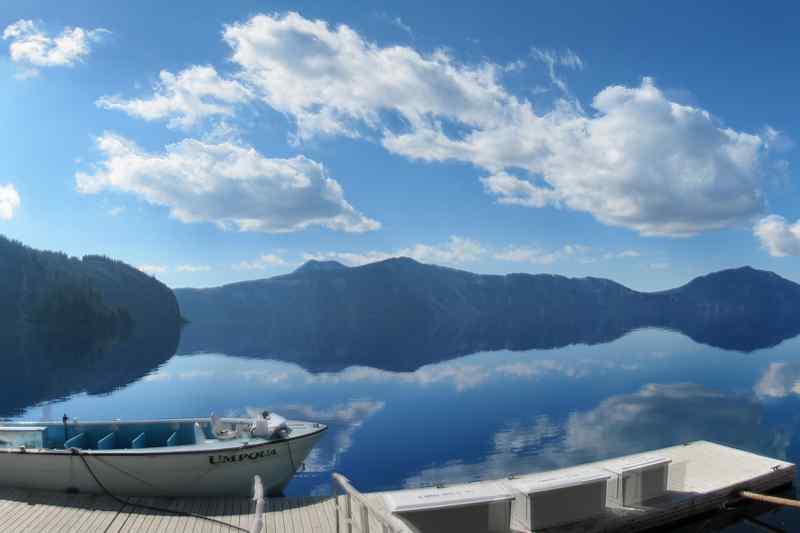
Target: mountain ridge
column 405, row 313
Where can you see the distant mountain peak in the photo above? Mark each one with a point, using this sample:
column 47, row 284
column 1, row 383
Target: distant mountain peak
column 744, row 272
column 398, row 260
column 314, row 265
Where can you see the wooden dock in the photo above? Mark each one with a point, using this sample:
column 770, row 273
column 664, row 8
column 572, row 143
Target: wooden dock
column 37, row 512
column 703, row 476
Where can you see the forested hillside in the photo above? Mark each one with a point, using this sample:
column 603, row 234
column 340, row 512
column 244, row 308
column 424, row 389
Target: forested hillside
column 56, row 304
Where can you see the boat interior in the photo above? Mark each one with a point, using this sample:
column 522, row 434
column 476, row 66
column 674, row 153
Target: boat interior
column 118, row 435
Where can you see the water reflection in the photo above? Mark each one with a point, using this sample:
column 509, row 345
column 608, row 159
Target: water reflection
column 33, row 376
column 326, row 347
column 659, row 415
column 779, row 380
column 480, row 416
column 656, row 416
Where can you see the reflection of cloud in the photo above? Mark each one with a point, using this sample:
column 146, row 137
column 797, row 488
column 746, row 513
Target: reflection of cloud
column 532, row 369
column 354, row 412
column 194, row 374
column 158, row 376
column 464, row 374
column 266, row 376
column 779, row 381
column 343, row 421
column 518, row 437
column 659, row 415
column 656, row 416
column 516, row 448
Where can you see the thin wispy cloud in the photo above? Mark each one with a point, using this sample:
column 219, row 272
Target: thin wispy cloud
column 184, row 99
column 460, row 250
column 192, row 269
column 262, row 262
column 553, row 59
column 397, row 21
column 153, row 269
column 456, row 251
column 538, row 256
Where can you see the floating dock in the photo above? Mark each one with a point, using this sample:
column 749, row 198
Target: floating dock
column 703, row 476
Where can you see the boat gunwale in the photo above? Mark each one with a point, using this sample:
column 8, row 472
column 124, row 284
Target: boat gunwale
column 125, row 452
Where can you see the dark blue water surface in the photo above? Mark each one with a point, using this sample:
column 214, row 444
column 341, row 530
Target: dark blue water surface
column 489, row 414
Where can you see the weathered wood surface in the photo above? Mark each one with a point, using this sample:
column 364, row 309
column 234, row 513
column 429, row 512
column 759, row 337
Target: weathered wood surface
column 37, row 512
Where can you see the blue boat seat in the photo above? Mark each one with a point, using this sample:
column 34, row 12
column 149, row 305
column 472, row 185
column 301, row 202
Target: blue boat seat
column 78, row 441
column 173, row 439
column 109, row 442
column 139, row 442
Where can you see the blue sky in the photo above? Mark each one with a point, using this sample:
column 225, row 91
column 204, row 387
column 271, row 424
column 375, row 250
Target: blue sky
column 228, row 141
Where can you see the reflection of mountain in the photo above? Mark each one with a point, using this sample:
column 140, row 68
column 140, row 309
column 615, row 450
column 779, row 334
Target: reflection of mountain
column 401, row 314
column 36, row 377
column 69, row 325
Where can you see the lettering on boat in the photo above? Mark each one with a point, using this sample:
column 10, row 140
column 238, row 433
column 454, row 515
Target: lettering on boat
column 241, row 457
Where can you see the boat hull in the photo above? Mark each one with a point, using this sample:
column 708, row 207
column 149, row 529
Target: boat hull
column 206, row 472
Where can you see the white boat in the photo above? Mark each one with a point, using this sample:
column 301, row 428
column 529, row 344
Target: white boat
column 176, row 457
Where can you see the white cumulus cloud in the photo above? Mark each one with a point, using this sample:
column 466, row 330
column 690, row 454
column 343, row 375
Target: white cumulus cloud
column 639, row 160
column 331, row 80
column 184, row 98
column 9, row 201
column 32, row 48
column 779, row 237
column 228, row 184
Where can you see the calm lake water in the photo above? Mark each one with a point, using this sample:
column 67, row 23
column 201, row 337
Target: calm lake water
column 489, row 414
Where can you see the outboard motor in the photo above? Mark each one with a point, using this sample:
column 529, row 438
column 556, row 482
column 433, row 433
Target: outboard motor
column 269, row 425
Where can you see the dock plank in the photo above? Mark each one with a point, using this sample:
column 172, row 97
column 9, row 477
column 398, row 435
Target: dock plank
column 329, row 512
column 51, row 510
column 20, row 512
column 185, row 524
column 104, row 513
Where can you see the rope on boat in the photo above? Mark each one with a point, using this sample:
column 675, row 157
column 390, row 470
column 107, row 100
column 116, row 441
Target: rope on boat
column 76, row 451
column 786, row 502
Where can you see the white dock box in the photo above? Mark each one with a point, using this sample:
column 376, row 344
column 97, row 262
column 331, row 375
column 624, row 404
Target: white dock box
column 637, row 480
column 472, row 508
column 19, row 436
column 558, row 498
